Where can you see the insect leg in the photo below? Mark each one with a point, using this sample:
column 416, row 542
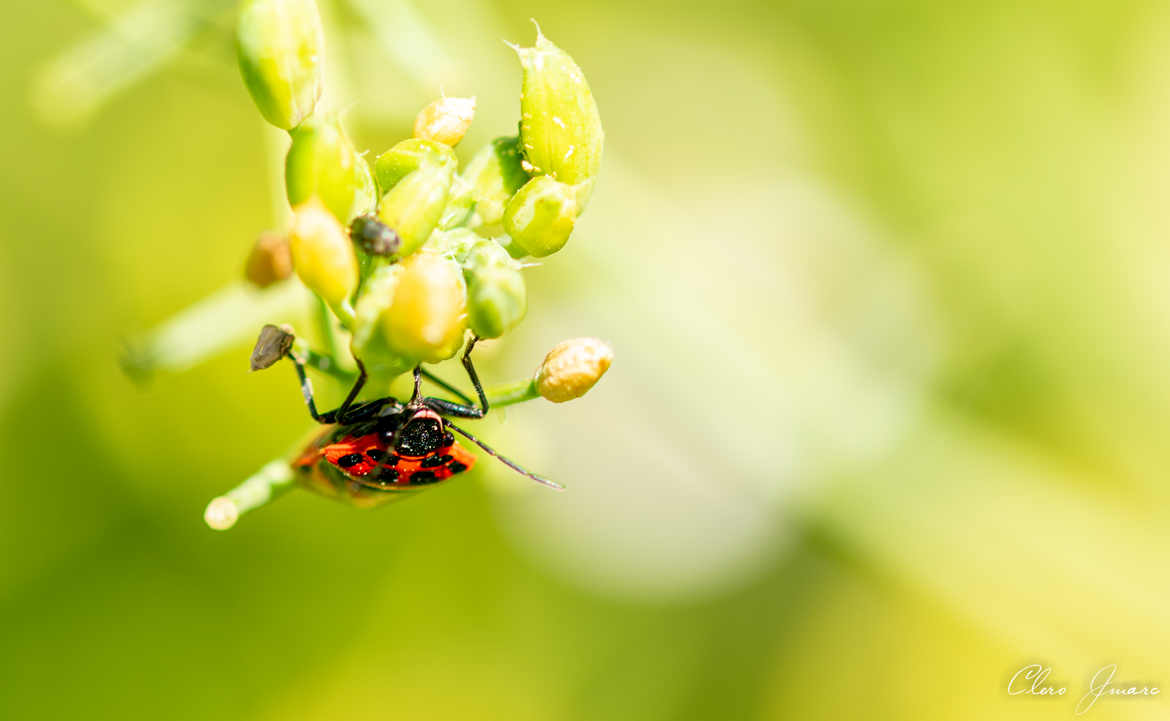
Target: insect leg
column 446, row 386
column 466, row 410
column 342, row 412
column 506, row 461
column 483, row 404
column 307, row 389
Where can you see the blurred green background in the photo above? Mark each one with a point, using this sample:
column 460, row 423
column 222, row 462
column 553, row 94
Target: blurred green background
column 887, row 420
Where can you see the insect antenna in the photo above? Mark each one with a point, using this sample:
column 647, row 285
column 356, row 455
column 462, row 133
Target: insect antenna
column 507, row 462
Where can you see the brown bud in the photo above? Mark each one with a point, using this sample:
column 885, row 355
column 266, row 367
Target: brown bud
column 270, row 260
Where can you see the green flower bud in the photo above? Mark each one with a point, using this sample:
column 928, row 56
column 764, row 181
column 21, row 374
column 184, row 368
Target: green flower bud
column 427, row 317
column 495, row 174
column 414, row 206
column 540, row 216
column 510, row 245
column 446, row 120
column 368, row 342
column 497, row 298
column 322, row 162
column 560, row 128
column 323, row 256
column 281, row 46
column 460, row 210
column 454, row 243
column 408, row 156
column 572, row 367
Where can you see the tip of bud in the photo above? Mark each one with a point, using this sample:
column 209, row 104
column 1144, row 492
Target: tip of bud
column 446, row 120
column 573, row 367
column 221, row 513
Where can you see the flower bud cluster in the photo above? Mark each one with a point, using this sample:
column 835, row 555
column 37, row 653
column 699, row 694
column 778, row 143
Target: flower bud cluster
column 407, row 251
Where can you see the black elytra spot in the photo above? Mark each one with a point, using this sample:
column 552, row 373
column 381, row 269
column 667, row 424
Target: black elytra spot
column 420, row 478
column 434, row 461
column 377, row 455
column 457, row 467
column 388, row 475
column 350, row 460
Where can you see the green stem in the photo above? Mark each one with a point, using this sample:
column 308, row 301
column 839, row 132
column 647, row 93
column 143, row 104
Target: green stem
column 512, row 393
column 265, row 485
column 326, row 330
column 327, row 365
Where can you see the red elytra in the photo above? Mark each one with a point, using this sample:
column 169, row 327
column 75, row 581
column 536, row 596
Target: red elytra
column 370, row 461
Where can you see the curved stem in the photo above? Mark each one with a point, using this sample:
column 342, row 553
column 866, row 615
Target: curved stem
column 265, row 485
column 512, row 393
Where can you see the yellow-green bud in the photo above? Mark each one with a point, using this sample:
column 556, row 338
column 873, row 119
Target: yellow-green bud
column 560, row 128
column 323, row 256
column 406, row 157
column 454, row 243
column 368, row 342
column 446, row 120
column 572, row 367
column 322, row 162
column 376, row 296
column 497, row 298
column 427, row 318
column 540, row 216
column 270, row 260
column 414, row 206
column 281, row 48
column 495, row 174
column 460, row 210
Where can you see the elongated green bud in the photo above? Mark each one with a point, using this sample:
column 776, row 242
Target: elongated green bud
column 446, row 120
column 495, row 174
column 540, row 216
column 322, row 162
column 408, row 156
column 497, row 297
column 281, row 47
column 560, row 128
column 427, row 318
column 572, row 367
column 414, row 206
column 323, row 256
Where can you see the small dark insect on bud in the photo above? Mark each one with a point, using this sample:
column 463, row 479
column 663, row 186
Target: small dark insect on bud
column 373, row 236
column 274, row 342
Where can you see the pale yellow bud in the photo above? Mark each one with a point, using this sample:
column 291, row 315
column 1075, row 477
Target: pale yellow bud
column 572, row 367
column 445, row 121
column 323, row 255
column 427, row 315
